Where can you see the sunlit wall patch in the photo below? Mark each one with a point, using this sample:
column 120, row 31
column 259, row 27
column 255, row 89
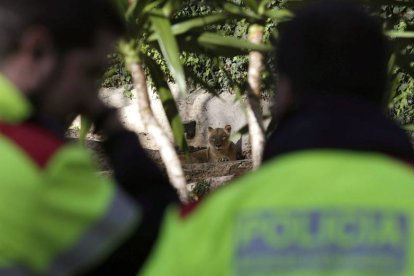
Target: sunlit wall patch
column 356, row 240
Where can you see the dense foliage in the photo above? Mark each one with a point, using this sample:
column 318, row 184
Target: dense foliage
column 401, row 19
column 218, row 72
column 221, row 72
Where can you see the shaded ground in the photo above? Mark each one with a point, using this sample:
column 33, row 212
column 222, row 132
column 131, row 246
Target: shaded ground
column 202, row 177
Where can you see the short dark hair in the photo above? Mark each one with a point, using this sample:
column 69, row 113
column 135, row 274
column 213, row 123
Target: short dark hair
column 336, row 48
column 72, row 23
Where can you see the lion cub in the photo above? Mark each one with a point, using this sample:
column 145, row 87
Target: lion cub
column 220, row 148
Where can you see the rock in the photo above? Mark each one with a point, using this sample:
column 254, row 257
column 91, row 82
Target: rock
column 193, row 172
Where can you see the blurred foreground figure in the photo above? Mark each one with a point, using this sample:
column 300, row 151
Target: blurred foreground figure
column 57, row 215
column 335, row 196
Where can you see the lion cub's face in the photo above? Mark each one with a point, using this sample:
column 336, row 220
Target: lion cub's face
column 218, row 138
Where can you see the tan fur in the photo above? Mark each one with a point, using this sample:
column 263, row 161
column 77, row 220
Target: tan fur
column 220, row 148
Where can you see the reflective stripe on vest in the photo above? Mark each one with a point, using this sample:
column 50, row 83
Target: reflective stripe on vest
column 119, row 219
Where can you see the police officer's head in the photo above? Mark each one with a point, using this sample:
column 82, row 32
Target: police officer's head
column 54, row 51
column 332, row 48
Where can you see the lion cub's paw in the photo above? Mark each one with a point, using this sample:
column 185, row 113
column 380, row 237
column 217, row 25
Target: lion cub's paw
column 223, row 159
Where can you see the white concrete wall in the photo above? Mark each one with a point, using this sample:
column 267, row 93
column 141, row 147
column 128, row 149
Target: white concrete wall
column 199, row 105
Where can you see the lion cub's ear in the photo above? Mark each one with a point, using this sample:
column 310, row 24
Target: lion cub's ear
column 227, row 128
column 210, row 129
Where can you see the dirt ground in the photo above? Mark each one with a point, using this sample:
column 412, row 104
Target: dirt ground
column 202, row 177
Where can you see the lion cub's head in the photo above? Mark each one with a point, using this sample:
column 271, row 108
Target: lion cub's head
column 219, row 138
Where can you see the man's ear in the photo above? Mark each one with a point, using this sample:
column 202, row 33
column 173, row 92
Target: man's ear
column 227, row 128
column 210, row 129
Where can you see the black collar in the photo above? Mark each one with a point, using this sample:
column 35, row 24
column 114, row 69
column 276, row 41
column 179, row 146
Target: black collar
column 327, row 122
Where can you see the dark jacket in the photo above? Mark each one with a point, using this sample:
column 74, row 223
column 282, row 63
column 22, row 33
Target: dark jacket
column 334, row 122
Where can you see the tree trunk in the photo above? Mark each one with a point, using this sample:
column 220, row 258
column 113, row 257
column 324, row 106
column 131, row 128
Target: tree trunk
column 167, row 150
column 254, row 110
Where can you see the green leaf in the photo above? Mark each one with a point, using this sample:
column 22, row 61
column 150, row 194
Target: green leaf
column 136, row 8
column 168, row 102
column 252, row 4
column 241, row 12
column 131, row 10
column 409, row 127
column 262, row 6
column 239, row 95
column 173, row 116
column 85, row 126
column 137, row 16
column 150, row 6
column 279, row 15
column 171, row 6
column 243, row 130
column 272, row 126
column 216, row 42
column 398, row 34
column 139, row 7
column 169, row 49
column 198, row 22
column 391, row 63
column 394, row 85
